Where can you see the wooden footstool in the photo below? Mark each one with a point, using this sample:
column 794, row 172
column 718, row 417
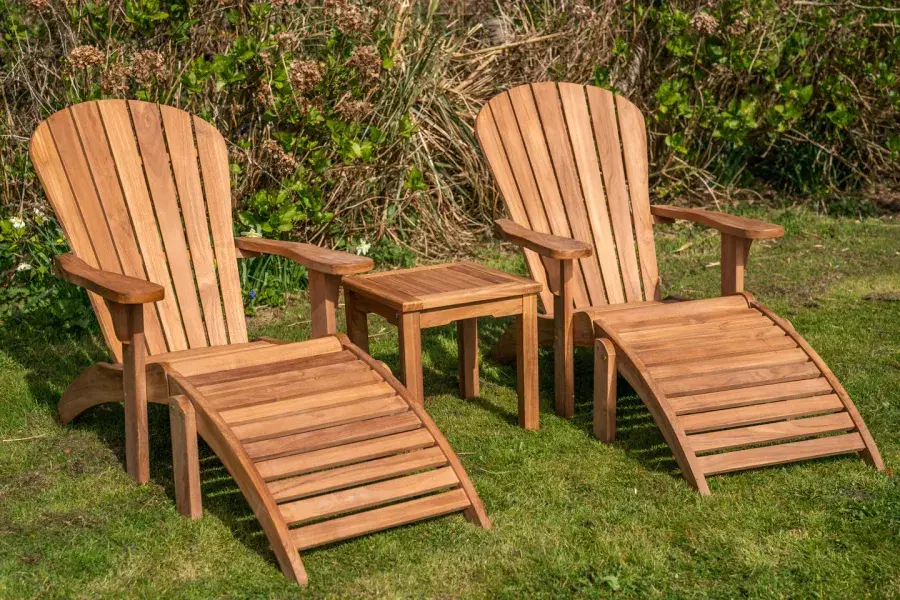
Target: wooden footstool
column 413, row 299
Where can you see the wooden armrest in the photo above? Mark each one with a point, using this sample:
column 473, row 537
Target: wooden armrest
column 545, row 244
column 330, row 262
column 114, row 287
column 740, row 227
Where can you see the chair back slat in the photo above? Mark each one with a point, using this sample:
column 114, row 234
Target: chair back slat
column 114, row 209
column 634, row 151
column 538, row 157
column 499, row 136
column 559, row 144
column 216, row 181
column 578, row 155
column 183, row 153
column 585, row 149
column 134, row 194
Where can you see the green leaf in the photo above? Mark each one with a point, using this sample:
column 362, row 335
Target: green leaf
column 415, row 182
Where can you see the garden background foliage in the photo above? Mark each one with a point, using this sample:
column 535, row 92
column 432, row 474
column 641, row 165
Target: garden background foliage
column 350, row 123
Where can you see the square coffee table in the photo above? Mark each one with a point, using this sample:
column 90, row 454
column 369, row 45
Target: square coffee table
column 413, row 299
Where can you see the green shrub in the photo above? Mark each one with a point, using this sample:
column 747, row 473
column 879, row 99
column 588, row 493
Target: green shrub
column 350, row 123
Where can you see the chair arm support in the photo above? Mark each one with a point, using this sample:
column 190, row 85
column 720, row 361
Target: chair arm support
column 326, row 267
column 550, row 246
column 329, row 262
column 113, row 287
column 732, row 225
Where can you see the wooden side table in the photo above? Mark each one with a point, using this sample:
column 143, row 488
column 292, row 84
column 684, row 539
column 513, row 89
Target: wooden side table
column 413, row 299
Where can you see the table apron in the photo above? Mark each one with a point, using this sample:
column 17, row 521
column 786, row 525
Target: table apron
column 487, row 308
column 368, row 305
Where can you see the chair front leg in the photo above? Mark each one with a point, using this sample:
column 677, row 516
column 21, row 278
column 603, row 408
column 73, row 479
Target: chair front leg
column 128, row 323
column 564, row 348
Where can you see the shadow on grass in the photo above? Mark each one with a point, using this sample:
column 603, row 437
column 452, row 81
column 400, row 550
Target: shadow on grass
column 53, row 358
column 637, row 433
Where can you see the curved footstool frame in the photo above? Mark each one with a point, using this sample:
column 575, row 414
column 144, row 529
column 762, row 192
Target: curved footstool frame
column 453, row 490
column 688, row 438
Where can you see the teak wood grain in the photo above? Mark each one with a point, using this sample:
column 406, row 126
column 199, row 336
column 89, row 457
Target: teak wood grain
column 725, row 399
column 435, row 295
column 310, row 431
column 571, row 164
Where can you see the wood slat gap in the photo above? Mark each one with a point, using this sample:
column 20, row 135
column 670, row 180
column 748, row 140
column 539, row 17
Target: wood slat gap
column 781, row 453
column 368, row 496
column 302, row 486
column 771, row 432
column 271, row 430
column 751, row 415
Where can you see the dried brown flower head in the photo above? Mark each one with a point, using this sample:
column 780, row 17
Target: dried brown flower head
column 286, row 40
column 366, row 61
column 582, row 10
column 146, row 65
column 115, row 79
column 85, row 57
column 278, row 160
column 354, row 110
column 705, row 24
column 305, row 75
column 346, row 16
column 39, row 5
column 264, row 94
column 739, row 26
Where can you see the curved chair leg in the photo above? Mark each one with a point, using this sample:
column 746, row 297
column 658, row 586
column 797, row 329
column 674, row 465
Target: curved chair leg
column 98, row 384
column 103, row 383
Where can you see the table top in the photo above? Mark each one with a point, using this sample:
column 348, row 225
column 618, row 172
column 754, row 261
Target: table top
column 439, row 286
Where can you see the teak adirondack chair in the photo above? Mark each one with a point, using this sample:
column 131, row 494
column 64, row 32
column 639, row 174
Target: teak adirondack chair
column 716, row 374
column 315, row 433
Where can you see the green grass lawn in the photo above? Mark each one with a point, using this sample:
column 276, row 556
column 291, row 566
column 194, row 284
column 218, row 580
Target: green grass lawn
column 572, row 517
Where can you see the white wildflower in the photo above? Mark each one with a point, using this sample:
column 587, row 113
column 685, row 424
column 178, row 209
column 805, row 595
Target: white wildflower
column 23, row 267
column 17, row 223
column 363, row 248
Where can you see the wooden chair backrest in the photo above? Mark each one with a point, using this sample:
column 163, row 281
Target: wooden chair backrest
column 143, row 189
column 571, row 160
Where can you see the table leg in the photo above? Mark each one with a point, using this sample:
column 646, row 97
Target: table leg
column 411, row 355
column 467, row 342
column 527, row 364
column 357, row 321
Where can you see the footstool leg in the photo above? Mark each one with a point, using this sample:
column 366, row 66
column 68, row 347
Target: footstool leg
column 467, row 341
column 185, row 459
column 357, row 322
column 411, row 355
column 527, row 364
column 604, row 390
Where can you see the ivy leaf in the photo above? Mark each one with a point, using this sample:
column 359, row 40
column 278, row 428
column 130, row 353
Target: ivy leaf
column 415, row 182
